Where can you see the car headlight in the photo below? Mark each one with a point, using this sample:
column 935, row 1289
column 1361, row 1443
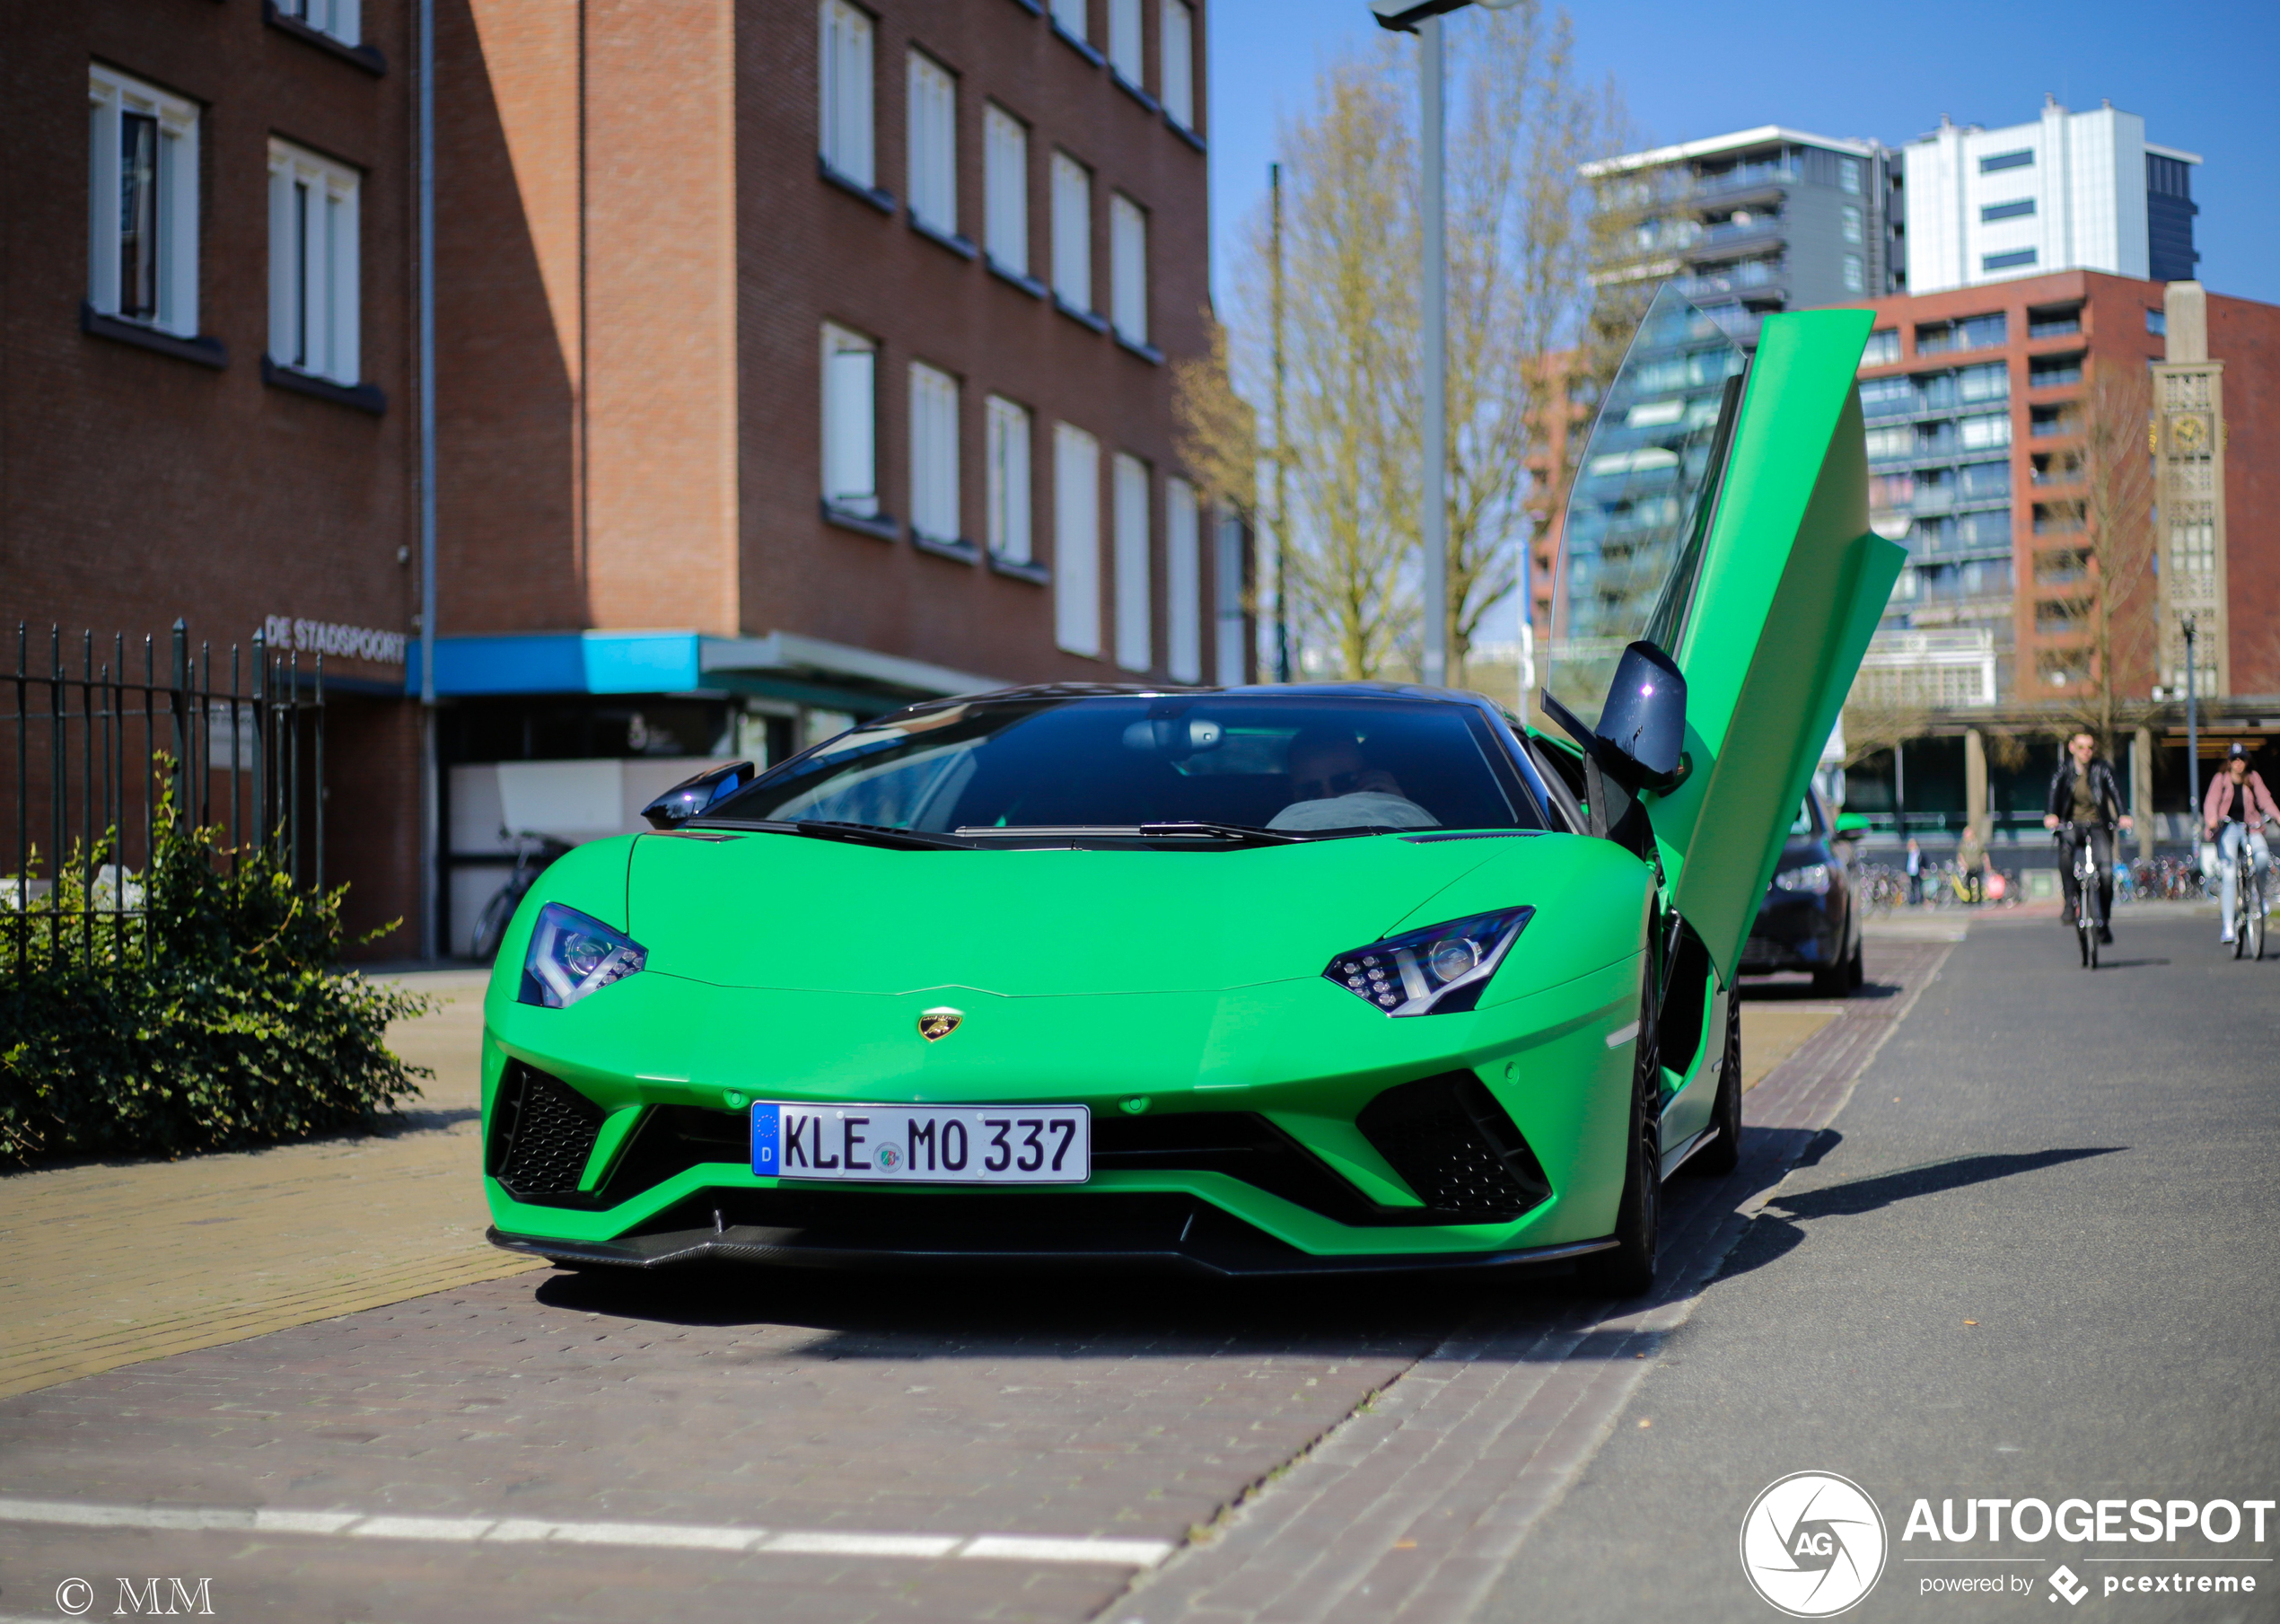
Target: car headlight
column 573, row 957
column 1434, row 972
column 1812, row 877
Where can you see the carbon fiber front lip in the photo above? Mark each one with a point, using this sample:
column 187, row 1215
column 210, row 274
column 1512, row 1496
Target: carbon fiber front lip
column 751, row 1243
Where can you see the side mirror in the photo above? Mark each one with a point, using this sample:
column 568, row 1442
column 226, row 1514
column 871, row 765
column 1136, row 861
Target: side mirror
column 1640, row 740
column 1644, row 721
column 692, row 797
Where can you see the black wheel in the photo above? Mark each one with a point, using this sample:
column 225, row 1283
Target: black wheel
column 1856, row 969
column 2240, row 934
column 1723, row 1155
column 1627, row 1268
column 2085, row 937
column 2089, row 948
column 2252, row 927
column 490, row 925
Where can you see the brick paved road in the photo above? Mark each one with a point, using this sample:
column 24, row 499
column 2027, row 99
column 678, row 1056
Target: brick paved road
column 873, row 1404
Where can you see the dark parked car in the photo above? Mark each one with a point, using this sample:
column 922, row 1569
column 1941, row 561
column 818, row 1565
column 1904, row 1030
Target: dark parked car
column 1809, row 917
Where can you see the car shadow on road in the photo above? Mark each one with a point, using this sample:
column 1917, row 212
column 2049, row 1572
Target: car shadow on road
column 1777, row 989
column 1778, row 1229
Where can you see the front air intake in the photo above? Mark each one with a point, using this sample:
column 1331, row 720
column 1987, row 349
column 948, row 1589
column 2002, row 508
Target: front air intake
column 542, row 1131
column 1447, row 1137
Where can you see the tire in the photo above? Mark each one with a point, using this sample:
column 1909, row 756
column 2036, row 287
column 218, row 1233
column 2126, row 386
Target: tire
column 1723, row 1155
column 1627, row 1268
column 490, row 924
column 1856, row 967
column 2087, row 939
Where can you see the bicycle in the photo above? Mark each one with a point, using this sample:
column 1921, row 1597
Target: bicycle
column 2247, row 902
column 2088, row 922
column 532, row 855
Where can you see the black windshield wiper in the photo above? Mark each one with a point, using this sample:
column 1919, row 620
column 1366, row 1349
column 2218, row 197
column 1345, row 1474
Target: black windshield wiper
column 1184, row 829
column 1243, row 833
column 851, row 834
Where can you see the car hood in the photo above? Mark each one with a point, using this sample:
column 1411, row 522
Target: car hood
column 780, row 911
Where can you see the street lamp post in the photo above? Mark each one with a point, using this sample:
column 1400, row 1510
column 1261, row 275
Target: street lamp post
column 1423, row 19
column 2192, row 733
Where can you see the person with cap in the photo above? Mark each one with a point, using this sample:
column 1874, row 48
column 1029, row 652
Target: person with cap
column 2234, row 814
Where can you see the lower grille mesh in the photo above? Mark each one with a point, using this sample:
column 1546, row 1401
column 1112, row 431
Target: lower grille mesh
column 544, row 1133
column 1453, row 1144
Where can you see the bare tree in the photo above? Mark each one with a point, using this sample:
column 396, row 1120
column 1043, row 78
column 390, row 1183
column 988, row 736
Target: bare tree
column 1217, row 431
column 1518, row 240
column 2114, row 605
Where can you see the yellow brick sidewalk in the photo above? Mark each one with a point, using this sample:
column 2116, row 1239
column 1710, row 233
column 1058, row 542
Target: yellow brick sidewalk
column 105, row 1265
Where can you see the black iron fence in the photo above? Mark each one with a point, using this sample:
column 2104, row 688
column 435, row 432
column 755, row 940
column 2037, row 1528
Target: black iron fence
column 107, row 740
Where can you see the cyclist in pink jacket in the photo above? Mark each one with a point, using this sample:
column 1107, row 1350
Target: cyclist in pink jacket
column 2233, row 813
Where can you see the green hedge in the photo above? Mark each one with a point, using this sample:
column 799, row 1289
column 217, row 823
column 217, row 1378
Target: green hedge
column 215, row 1018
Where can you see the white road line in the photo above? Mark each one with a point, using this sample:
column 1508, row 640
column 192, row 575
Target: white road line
column 654, row 1536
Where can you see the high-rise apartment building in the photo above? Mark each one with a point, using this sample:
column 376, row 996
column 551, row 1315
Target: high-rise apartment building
column 1753, row 223
column 2071, row 191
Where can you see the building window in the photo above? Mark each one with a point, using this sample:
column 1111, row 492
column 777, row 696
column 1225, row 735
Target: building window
column 1891, row 444
column 1848, row 176
column 1073, row 17
column 2017, row 208
column 1990, row 382
column 1177, row 85
column 2051, row 372
column 337, row 18
column 1853, row 281
column 1883, row 348
column 846, row 92
column 1997, row 163
column 850, row 422
column 1127, row 54
column 1072, row 232
column 313, row 265
column 1006, row 189
column 1128, row 268
column 933, row 454
column 142, row 224
column 2157, row 322
column 1982, row 480
column 934, row 144
column 1135, row 627
column 1076, row 540
column 1851, row 223
column 1182, row 583
column 1008, row 452
column 1985, row 432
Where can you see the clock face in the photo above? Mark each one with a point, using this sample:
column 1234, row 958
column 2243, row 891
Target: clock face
column 2189, row 434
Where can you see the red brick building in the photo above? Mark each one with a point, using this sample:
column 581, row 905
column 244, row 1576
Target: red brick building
column 204, row 315
column 792, row 362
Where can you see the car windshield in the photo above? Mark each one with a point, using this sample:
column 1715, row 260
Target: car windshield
column 1297, row 766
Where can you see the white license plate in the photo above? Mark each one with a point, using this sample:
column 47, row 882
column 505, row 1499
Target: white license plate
column 924, row 1144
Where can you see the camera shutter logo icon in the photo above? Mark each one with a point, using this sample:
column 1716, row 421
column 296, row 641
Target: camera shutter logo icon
column 1812, row 1544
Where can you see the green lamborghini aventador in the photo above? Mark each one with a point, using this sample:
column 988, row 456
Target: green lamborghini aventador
column 1254, row 980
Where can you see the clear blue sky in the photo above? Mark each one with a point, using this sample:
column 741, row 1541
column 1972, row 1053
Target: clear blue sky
column 2205, row 78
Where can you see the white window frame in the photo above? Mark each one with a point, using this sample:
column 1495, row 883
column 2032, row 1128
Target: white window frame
column 1176, row 79
column 1076, row 540
column 1072, row 231
column 1128, row 268
column 1183, row 583
column 850, row 421
column 1007, row 452
column 1127, row 42
column 934, row 454
column 343, row 20
column 1134, row 564
column 846, row 91
column 931, row 125
column 1006, row 189
column 314, row 284
column 111, row 95
column 1075, row 18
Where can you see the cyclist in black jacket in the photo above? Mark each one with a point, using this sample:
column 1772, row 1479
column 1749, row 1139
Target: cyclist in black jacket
column 2086, row 803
